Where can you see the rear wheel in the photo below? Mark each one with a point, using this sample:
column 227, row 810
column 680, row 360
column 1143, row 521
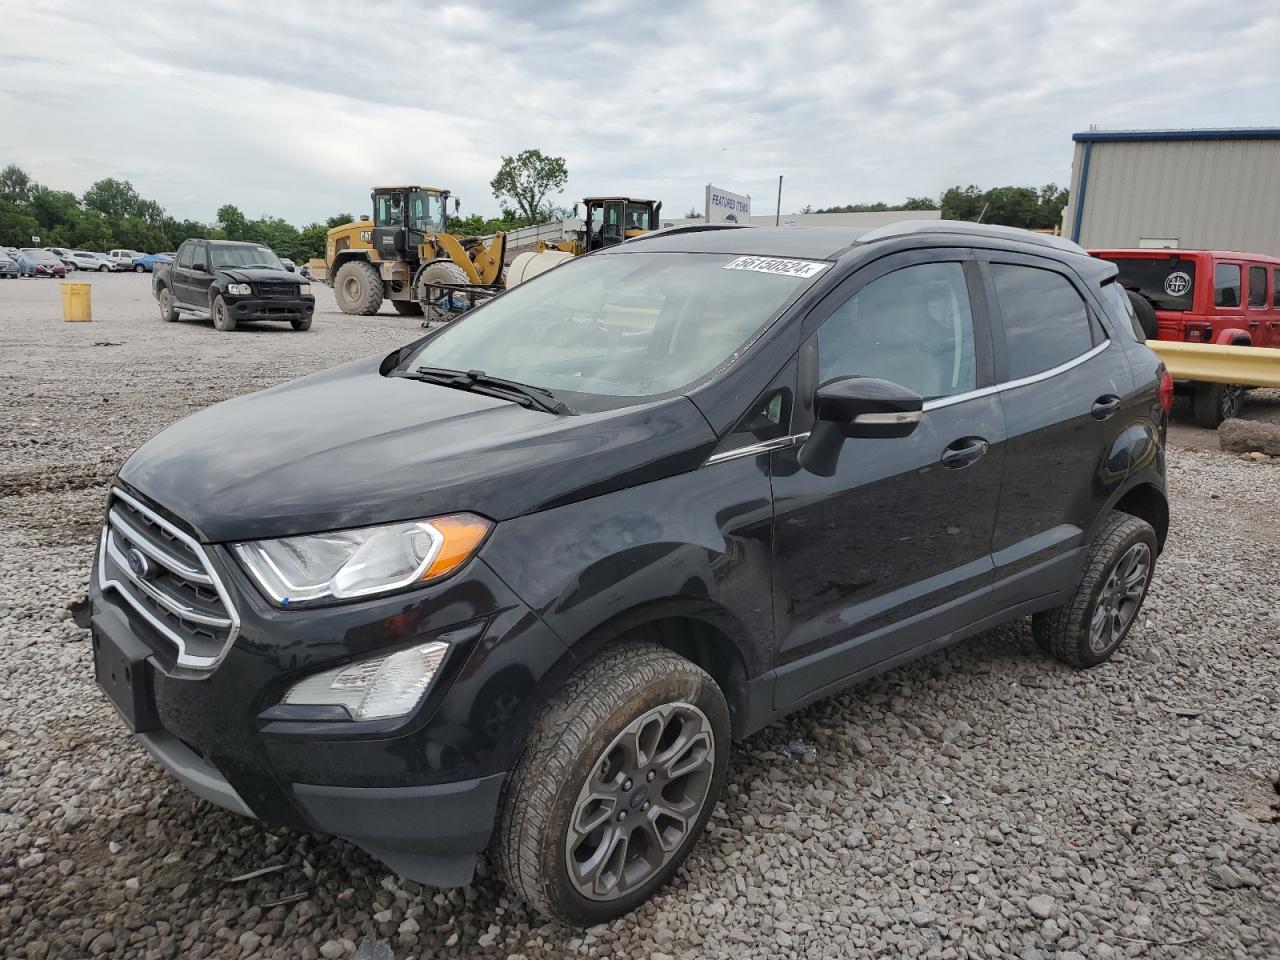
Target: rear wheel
column 1215, row 402
column 358, row 288
column 440, row 271
column 165, row 299
column 1088, row 628
column 222, row 319
column 617, row 781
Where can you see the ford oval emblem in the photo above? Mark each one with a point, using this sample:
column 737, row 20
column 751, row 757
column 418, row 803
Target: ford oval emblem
column 139, row 565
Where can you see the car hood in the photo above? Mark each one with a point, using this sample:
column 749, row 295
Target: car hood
column 350, row 447
column 256, row 275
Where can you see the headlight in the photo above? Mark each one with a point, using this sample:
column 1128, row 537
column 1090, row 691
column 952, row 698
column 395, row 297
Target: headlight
column 387, row 686
column 239, row 289
column 357, row 563
column 304, row 289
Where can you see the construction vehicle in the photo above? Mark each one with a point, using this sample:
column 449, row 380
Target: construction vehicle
column 405, row 254
column 608, row 220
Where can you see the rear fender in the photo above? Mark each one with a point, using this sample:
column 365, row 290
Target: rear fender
column 1233, row 336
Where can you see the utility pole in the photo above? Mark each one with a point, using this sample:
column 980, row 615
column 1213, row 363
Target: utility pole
column 777, row 217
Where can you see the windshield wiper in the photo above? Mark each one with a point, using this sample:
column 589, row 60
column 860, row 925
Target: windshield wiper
column 478, row 381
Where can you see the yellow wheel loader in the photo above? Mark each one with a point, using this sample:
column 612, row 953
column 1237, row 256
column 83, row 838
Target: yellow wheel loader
column 405, row 254
column 608, row 220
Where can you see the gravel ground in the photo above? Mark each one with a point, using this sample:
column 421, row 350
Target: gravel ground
column 982, row 802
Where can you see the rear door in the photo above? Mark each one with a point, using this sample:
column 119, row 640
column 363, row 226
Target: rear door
column 1258, row 311
column 1063, row 385
column 893, row 550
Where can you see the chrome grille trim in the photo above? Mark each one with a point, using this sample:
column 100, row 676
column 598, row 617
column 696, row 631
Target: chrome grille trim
column 108, row 550
column 140, row 540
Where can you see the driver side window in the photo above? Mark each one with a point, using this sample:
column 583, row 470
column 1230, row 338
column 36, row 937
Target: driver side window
column 912, row 327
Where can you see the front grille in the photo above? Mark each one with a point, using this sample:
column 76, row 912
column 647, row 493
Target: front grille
column 170, row 582
column 276, row 290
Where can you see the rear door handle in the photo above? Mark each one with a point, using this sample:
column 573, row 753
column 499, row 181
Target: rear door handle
column 963, row 452
column 1105, row 406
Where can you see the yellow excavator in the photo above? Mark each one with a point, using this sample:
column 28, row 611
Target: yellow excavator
column 607, row 220
column 405, row 254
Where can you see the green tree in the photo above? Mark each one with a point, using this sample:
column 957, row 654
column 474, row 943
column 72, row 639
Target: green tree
column 527, row 180
column 15, row 186
column 962, row 203
column 339, row 219
column 232, row 222
column 17, row 227
column 116, row 199
column 54, row 208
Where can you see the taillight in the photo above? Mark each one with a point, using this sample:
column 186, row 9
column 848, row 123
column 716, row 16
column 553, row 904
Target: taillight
column 1166, row 391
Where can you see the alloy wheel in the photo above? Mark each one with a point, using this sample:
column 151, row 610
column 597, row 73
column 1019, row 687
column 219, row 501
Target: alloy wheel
column 643, row 797
column 1120, row 598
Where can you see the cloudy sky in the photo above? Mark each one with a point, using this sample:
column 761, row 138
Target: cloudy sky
column 296, row 109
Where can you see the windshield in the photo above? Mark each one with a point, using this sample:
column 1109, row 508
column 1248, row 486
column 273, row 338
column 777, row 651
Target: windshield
column 1168, row 282
column 630, row 325
column 426, row 211
column 244, row 255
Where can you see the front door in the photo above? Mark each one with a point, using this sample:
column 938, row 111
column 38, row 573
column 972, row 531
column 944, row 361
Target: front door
column 894, row 550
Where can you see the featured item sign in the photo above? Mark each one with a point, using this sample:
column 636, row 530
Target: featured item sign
column 726, row 207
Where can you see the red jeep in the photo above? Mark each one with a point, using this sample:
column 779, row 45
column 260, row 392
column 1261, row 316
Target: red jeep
column 1204, row 296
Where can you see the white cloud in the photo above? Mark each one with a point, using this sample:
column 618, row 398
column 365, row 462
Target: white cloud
column 297, row 109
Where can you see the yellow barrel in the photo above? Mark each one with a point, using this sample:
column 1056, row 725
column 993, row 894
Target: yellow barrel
column 75, row 301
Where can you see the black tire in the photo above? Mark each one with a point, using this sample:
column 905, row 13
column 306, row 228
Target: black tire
column 1145, row 312
column 1215, row 402
column 165, row 299
column 1067, row 632
column 573, row 746
column 438, row 271
column 358, row 288
column 407, row 308
column 222, row 318
column 303, row 324
column 139, row 268
column 104, row 269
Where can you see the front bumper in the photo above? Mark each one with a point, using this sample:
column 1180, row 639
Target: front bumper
column 420, row 792
column 254, row 308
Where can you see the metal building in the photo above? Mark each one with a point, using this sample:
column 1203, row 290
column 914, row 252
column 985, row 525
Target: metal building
column 1194, row 189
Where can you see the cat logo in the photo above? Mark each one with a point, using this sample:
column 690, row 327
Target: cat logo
column 366, row 236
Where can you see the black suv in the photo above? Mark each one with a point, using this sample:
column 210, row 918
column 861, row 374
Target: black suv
column 231, row 281
column 517, row 585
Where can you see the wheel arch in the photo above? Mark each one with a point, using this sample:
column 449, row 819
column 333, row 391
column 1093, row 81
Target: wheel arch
column 1147, row 502
column 1233, row 337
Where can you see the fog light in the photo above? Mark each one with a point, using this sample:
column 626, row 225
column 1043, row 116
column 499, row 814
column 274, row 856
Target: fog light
column 389, row 686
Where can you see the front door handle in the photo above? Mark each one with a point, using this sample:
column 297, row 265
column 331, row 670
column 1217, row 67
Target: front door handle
column 963, row 452
column 1105, row 406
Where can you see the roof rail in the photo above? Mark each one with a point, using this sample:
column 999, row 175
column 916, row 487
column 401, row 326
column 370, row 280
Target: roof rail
column 692, row 228
column 906, row 228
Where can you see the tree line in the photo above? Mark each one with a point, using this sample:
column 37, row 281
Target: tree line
column 1028, row 207
column 112, row 214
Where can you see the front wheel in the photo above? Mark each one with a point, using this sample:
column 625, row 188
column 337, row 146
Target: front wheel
column 1215, row 402
column 1089, row 628
column 222, row 319
column 104, row 269
column 617, row 781
column 139, row 269
column 303, row 324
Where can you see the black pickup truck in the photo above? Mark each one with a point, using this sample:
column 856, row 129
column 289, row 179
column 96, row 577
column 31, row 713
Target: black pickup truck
column 231, row 281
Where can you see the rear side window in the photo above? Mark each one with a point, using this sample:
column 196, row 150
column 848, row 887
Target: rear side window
column 1116, row 299
column 1275, row 286
column 186, row 256
column 1045, row 321
column 1258, row 287
column 1226, row 284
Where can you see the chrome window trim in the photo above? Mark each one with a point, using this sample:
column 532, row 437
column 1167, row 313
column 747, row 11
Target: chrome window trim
column 754, row 449
column 184, row 659
column 1021, row 382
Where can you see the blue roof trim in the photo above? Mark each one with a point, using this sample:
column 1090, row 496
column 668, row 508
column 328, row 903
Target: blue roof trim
column 1138, row 136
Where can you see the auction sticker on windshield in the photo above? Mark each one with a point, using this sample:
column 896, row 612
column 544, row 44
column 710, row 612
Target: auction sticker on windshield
column 786, row 268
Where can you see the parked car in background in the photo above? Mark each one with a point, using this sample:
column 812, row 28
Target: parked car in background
column 231, row 281
column 63, row 254
column 84, row 260
column 9, row 268
column 48, row 264
column 124, row 258
column 1204, row 296
column 518, row 585
column 147, row 262
column 26, row 264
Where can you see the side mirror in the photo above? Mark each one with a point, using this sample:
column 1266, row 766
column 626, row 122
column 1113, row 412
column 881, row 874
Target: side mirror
column 457, row 205
column 289, row 267
column 857, row 407
column 200, row 267
column 575, row 211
